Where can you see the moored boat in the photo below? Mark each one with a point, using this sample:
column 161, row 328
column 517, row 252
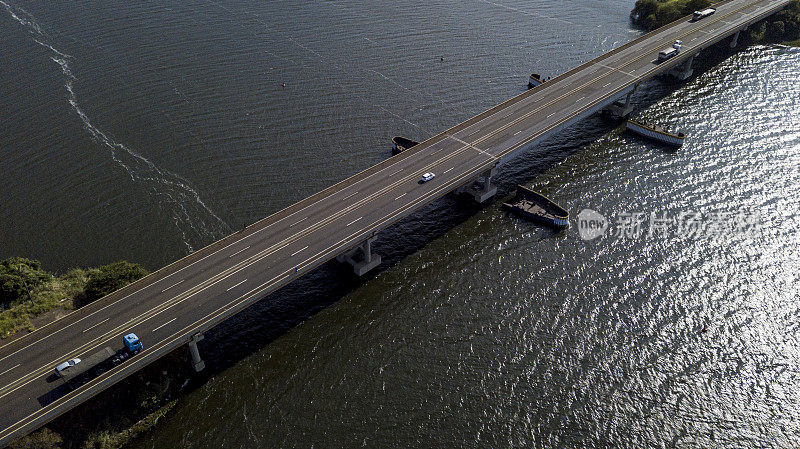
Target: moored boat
column 535, row 80
column 537, row 207
column 656, row 133
column 400, row 144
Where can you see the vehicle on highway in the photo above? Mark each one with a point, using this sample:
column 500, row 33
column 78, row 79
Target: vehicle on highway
column 62, row 369
column 667, row 53
column 79, row 371
column 700, row 15
column 673, row 51
column 426, row 177
column 132, row 343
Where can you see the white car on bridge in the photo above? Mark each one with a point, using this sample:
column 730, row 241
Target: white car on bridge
column 426, row 177
column 66, row 366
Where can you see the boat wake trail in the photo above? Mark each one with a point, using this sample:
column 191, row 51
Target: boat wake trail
column 197, row 223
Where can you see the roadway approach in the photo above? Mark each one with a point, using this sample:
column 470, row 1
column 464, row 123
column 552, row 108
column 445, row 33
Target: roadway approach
column 174, row 305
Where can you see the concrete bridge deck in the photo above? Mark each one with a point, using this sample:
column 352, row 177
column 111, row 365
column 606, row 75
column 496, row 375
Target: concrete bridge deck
column 171, row 306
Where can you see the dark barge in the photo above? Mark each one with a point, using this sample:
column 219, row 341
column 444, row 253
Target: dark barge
column 539, row 208
column 400, row 144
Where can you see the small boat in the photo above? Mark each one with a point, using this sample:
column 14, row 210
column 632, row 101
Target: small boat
column 535, row 80
column 400, row 144
column 538, row 207
column 656, row 132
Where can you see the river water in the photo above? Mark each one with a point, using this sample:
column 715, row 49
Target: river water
column 145, row 130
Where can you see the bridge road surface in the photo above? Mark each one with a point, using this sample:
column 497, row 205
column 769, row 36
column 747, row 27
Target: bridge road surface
column 199, row 291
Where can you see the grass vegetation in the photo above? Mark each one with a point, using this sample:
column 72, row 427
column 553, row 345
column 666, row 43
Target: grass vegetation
column 109, row 439
column 27, row 291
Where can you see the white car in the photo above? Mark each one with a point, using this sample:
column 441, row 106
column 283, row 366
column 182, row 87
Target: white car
column 66, row 366
column 426, row 177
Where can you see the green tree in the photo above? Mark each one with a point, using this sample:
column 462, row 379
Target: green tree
column 644, row 13
column 108, row 278
column 18, row 276
column 695, row 5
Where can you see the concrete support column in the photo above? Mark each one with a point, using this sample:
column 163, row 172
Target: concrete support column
column 197, row 363
column 622, row 109
column 486, row 190
column 683, row 71
column 367, row 260
column 735, row 40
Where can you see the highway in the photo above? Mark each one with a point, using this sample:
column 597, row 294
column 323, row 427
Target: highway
column 201, row 290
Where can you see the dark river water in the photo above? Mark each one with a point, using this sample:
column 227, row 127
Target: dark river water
column 145, row 130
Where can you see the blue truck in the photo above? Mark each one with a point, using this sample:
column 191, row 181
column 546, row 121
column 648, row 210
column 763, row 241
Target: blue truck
column 79, row 371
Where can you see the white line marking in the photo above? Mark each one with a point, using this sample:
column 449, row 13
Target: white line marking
column 299, row 250
column 163, row 290
column 349, row 196
column 517, row 132
column 240, row 283
column 159, row 327
column 616, row 70
column 551, row 114
column 248, row 246
column 359, row 218
column 401, row 196
column 398, row 171
column 448, row 170
column 473, row 147
column 9, row 369
column 298, row 221
column 92, row 327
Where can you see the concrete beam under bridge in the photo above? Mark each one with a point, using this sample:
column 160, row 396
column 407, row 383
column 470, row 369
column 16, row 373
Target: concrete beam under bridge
column 366, row 262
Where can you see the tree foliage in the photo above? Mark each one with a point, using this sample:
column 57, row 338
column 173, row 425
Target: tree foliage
column 18, row 277
column 108, row 278
column 780, row 27
column 652, row 14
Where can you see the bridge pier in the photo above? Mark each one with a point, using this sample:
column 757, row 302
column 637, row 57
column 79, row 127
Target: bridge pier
column 735, row 40
column 683, row 71
column 368, row 260
column 622, row 109
column 485, row 190
column 197, row 363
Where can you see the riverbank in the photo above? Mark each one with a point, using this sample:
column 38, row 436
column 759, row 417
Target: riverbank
column 121, row 413
column 783, row 27
column 31, row 297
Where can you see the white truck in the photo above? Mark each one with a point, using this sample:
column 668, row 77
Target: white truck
column 670, row 52
column 700, row 15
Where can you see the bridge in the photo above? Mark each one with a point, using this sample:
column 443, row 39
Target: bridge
column 176, row 304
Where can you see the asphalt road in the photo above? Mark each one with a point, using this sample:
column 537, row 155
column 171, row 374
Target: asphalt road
column 201, row 290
